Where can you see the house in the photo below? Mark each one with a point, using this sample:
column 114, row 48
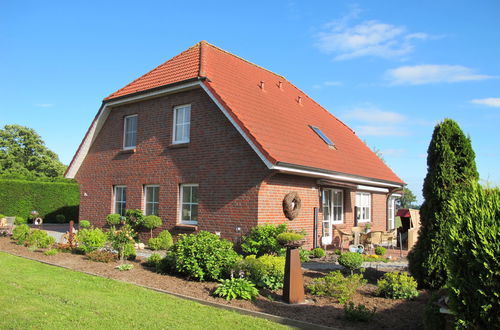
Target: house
column 210, row 141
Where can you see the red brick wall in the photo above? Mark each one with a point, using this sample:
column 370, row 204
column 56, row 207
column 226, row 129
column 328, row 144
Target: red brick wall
column 217, row 158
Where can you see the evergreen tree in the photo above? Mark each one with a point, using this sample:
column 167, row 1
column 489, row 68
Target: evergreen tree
column 451, row 169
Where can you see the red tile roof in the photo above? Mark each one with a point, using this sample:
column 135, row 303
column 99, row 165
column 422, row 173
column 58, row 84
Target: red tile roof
column 275, row 116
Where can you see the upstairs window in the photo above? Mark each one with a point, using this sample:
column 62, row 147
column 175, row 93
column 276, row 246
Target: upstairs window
column 189, row 204
column 182, row 124
column 120, row 200
column 363, row 206
column 151, row 199
column 322, row 136
column 130, row 132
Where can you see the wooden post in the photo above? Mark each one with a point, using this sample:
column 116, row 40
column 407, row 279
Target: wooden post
column 293, row 290
column 71, row 235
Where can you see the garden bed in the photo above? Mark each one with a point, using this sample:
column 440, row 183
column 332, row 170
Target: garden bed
column 395, row 314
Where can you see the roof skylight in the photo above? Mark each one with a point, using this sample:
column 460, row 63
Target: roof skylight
column 322, row 136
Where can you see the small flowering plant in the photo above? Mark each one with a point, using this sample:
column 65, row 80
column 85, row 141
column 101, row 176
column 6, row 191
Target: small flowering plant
column 120, row 238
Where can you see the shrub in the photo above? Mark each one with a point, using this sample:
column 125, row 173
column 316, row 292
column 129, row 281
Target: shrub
column 39, row 239
column 63, row 247
column 266, row 271
column 337, row 252
column 2, row 216
column 60, row 218
column 121, row 238
column 337, row 286
column 288, row 237
column 318, row 253
column 129, row 251
column 166, row 264
column 236, row 288
column 163, row 242
column 433, row 318
column 380, row 250
column 358, row 313
column 304, row 255
column 51, row 252
column 101, row 256
column 84, row 224
column 151, row 222
column 374, row 258
column 20, row 234
column 203, row 256
column 113, row 219
column 351, row 260
column 91, row 239
column 262, row 240
column 20, row 221
column 135, row 218
column 124, row 267
column 153, row 260
column 473, row 250
column 395, row 285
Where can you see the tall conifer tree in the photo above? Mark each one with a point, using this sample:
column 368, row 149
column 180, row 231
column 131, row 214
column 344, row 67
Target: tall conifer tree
column 451, row 168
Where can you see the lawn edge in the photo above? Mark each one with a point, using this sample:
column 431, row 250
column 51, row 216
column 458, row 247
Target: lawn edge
column 278, row 319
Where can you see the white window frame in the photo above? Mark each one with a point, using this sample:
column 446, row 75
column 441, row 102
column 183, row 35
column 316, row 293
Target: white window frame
column 181, row 203
column 116, row 201
column 391, row 213
column 146, row 202
column 125, row 132
column 183, row 139
column 360, row 204
column 330, row 220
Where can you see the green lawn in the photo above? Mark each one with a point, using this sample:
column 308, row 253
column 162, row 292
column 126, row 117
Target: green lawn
column 35, row 295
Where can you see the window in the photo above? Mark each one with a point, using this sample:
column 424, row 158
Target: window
column 363, row 206
column 322, row 136
column 151, row 199
column 189, row 204
column 391, row 212
column 130, row 132
column 182, row 124
column 333, row 209
column 120, row 200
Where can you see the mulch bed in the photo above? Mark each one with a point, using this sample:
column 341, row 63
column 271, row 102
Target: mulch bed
column 393, row 314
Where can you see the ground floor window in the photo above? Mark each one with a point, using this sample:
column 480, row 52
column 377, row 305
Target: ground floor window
column 120, row 200
column 391, row 212
column 189, row 204
column 363, row 206
column 151, row 199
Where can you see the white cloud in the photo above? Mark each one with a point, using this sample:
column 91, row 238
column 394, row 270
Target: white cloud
column 373, row 115
column 383, row 130
column 490, row 102
column 44, row 105
column 429, row 74
column 327, row 84
column 367, row 38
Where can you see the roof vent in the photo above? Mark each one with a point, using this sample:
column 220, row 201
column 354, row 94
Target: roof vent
column 261, row 84
column 299, row 99
column 280, row 84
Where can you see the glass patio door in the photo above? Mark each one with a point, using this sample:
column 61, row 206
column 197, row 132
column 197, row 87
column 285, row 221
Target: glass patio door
column 333, row 212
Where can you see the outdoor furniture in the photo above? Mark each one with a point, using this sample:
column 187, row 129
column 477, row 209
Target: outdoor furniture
column 389, row 238
column 344, row 237
column 374, row 238
column 7, row 224
column 356, row 232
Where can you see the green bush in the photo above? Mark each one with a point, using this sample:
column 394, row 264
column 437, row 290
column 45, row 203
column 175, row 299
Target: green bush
column 288, row 237
column 351, row 260
column 163, row 242
column 153, row 260
column 135, row 218
column 337, row 252
column 266, row 271
column 2, row 216
column 39, row 239
column 121, row 240
column 20, row 197
column 380, row 250
column 318, row 253
column 129, row 251
column 101, row 256
column 395, row 285
column 113, row 219
column 262, row 240
column 51, row 252
column 60, row 218
column 20, row 221
column 204, row 256
column 337, row 286
column 358, row 313
column 20, row 234
column 84, row 224
column 124, row 267
column 473, row 254
column 91, row 239
column 304, row 255
column 166, row 264
column 433, row 318
column 151, row 222
column 236, row 288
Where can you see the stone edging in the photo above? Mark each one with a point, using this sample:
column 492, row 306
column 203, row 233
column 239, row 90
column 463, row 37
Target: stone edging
column 278, row 319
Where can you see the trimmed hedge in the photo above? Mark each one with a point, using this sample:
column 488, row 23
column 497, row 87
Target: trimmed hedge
column 19, row 198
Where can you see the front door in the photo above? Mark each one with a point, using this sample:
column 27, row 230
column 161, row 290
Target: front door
column 333, row 212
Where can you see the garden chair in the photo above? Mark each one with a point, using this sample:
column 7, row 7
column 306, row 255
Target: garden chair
column 356, row 232
column 389, row 238
column 344, row 237
column 374, row 238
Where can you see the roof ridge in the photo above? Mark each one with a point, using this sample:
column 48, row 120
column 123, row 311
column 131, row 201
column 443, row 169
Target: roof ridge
column 241, row 58
column 156, row 68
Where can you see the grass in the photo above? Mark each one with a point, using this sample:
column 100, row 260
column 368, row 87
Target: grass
column 36, row 295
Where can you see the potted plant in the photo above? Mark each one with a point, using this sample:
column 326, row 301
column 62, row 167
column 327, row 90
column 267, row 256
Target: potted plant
column 368, row 227
column 291, row 240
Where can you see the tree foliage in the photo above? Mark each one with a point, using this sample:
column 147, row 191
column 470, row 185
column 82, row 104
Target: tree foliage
column 23, row 154
column 451, row 168
column 406, row 200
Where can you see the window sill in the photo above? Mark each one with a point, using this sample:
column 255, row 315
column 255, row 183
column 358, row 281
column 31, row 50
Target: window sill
column 127, row 151
column 178, row 145
column 183, row 226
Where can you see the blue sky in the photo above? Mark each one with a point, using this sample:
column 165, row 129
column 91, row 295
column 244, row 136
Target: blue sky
column 391, row 70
